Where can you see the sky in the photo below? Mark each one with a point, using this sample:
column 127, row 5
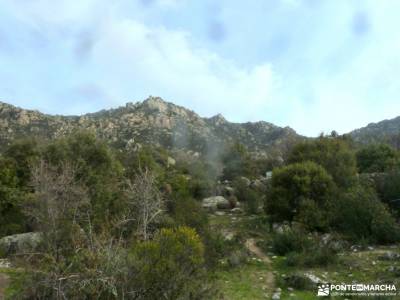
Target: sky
column 313, row 65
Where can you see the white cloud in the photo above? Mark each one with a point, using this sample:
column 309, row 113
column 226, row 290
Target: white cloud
column 132, row 57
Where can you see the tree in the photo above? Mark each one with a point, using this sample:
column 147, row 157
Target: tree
column 377, row 158
column 145, row 202
column 297, row 187
column 334, row 154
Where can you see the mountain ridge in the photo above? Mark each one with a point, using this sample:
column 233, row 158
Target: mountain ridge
column 152, row 121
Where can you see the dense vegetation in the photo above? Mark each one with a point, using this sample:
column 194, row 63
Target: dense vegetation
column 129, row 224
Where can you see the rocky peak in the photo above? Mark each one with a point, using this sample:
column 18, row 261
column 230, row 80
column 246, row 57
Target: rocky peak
column 218, row 119
column 155, row 104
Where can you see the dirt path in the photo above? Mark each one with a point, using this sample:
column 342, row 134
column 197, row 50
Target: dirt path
column 3, row 284
column 253, row 248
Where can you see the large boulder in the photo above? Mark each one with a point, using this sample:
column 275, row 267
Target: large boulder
column 216, row 202
column 20, row 243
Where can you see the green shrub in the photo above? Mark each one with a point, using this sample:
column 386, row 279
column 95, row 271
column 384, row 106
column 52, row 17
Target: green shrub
column 334, row 154
column 289, row 241
column 296, row 187
column 170, row 267
column 302, row 249
column 360, row 215
column 250, row 198
column 377, row 158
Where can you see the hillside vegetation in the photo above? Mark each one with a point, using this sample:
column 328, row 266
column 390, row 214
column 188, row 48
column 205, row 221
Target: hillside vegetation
column 89, row 217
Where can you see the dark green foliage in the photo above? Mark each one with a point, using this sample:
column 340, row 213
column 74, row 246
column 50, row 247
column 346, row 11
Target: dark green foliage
column 297, row 187
column 389, row 189
column 152, row 159
column 23, row 153
column 302, row 249
column 11, row 218
column 377, row 158
column 360, row 215
column 96, row 166
column 334, row 154
column 290, row 241
column 250, row 198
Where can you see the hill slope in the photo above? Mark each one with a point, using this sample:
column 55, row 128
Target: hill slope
column 385, row 131
column 152, row 121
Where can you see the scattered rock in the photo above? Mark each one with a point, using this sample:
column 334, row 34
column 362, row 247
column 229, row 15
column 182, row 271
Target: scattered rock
column 302, row 281
column 314, row 279
column 245, row 181
column 280, row 228
column 276, row 296
column 237, row 210
column 389, row 256
column 5, row 263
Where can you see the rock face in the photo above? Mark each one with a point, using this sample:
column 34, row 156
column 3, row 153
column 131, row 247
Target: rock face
column 385, row 131
column 153, row 122
column 20, row 243
column 216, row 202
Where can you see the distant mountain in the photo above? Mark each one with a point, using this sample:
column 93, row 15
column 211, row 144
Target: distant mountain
column 387, row 131
column 151, row 122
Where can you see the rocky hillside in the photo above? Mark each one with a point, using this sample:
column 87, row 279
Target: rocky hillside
column 152, row 121
column 386, row 131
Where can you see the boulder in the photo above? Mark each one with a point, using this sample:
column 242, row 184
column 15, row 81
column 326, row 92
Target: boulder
column 245, row 181
column 214, row 203
column 304, row 281
column 20, row 243
column 228, row 191
column 237, row 210
column 280, row 228
column 257, row 184
column 171, row 161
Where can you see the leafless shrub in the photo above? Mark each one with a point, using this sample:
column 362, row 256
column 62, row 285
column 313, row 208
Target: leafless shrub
column 145, row 202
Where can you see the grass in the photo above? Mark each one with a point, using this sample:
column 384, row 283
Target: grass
column 13, row 286
column 244, row 282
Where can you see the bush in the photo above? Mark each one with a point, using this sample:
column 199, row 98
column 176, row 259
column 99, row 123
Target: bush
column 289, row 241
column 247, row 196
column 296, row 187
column 360, row 215
column 170, row 267
column 302, row 249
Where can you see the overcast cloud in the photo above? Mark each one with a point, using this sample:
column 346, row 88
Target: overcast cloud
column 312, row 65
